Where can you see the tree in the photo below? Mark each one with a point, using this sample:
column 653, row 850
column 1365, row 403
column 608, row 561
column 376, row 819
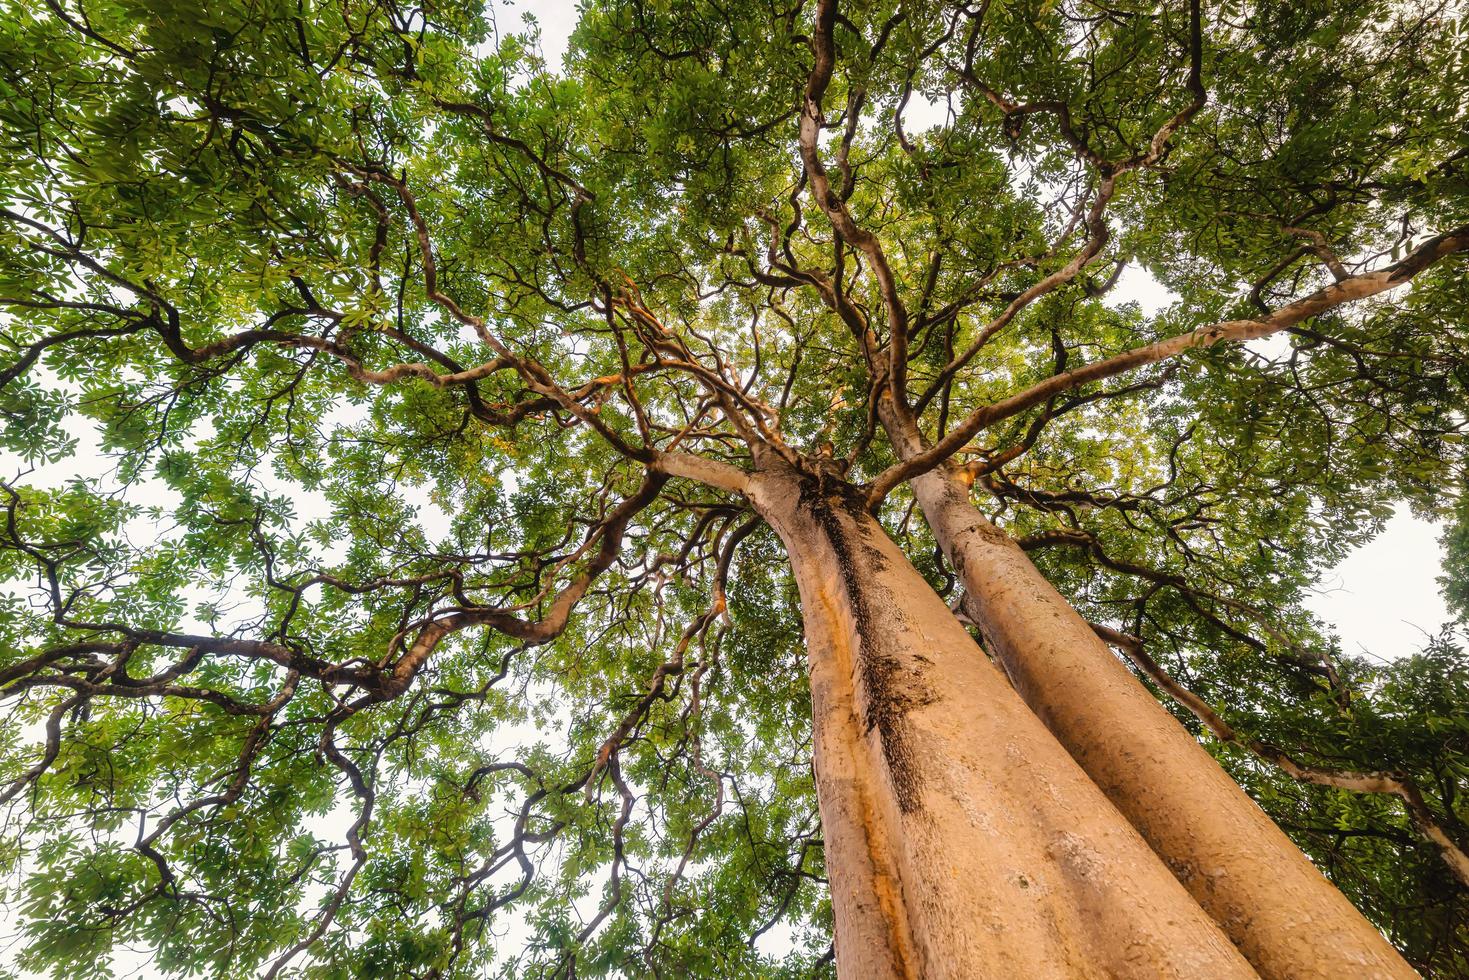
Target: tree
column 528, row 494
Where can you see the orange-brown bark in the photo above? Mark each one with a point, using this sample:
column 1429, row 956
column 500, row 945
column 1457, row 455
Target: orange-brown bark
column 1287, row 919
column 961, row 839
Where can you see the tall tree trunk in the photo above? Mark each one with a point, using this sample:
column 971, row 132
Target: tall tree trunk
column 1283, row 914
column 961, row 839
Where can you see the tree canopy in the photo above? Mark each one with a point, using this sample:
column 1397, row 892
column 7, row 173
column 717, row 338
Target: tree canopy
column 380, row 599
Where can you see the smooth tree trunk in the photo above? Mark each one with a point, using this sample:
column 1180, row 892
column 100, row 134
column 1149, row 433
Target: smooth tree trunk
column 1290, row 922
column 961, row 838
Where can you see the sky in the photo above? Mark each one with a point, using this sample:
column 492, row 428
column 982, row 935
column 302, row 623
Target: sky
column 556, row 18
column 1383, row 599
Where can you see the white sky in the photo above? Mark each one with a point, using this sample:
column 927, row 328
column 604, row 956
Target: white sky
column 556, row 17
column 1383, row 599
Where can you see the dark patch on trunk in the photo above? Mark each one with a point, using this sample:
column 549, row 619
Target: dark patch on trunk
column 889, row 695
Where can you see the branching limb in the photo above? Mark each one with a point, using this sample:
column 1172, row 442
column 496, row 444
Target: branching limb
column 1353, row 289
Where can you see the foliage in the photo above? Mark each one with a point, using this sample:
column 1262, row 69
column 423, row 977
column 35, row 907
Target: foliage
column 354, row 624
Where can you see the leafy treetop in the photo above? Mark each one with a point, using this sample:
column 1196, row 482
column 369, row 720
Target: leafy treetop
column 380, row 603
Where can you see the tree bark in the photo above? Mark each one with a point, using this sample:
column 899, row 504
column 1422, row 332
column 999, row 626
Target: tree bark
column 961, row 839
column 1289, row 921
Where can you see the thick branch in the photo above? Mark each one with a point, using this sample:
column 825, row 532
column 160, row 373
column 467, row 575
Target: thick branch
column 1348, row 290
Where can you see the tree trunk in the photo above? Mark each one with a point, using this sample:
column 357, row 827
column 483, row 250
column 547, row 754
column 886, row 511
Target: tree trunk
column 961, row 839
column 1289, row 921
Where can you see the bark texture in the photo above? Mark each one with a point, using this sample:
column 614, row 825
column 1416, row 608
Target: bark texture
column 962, row 840
column 1283, row 914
